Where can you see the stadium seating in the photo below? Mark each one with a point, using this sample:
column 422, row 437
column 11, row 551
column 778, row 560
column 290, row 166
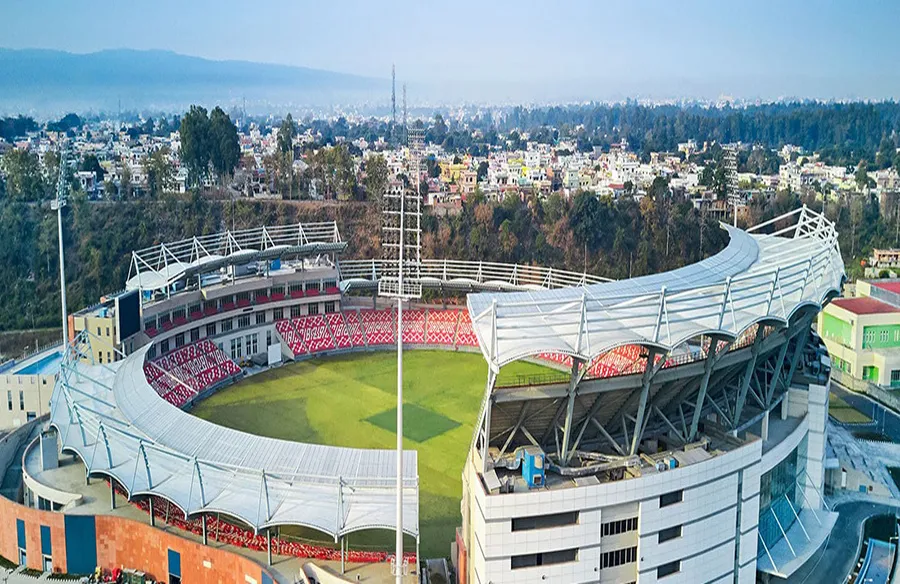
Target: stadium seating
column 440, row 327
column 315, row 333
column 221, row 531
column 414, row 327
column 355, row 328
column 378, row 326
column 339, row 330
column 465, row 334
column 189, row 370
column 291, row 337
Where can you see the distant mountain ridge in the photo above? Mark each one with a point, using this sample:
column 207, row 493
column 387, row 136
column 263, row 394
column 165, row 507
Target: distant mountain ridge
column 42, row 78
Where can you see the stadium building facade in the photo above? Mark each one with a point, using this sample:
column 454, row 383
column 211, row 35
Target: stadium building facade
column 681, row 438
column 705, row 463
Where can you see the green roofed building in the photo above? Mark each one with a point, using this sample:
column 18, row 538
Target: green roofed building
column 863, row 333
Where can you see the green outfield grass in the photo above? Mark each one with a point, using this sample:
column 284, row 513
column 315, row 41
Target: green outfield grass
column 350, row 400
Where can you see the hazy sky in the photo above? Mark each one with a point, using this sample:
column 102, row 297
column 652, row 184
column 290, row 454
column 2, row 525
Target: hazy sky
column 683, row 48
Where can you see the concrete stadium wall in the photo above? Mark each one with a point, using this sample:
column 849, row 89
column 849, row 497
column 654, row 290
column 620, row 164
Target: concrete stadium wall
column 119, row 542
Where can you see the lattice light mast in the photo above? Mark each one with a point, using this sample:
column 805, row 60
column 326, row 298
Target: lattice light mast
column 58, row 204
column 401, row 242
column 731, row 178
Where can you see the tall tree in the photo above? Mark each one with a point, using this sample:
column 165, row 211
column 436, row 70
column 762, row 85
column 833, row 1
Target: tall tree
column 286, row 148
column 377, row 175
column 24, row 180
column 160, row 172
column 196, row 148
column 90, row 163
column 225, row 146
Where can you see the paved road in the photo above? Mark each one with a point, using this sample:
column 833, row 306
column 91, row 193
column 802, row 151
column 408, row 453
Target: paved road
column 884, row 419
column 834, row 560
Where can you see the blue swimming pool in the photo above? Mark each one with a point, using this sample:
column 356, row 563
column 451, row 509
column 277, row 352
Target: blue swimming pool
column 46, row 365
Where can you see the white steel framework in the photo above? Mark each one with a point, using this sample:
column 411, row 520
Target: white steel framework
column 758, row 277
column 160, row 266
column 113, row 419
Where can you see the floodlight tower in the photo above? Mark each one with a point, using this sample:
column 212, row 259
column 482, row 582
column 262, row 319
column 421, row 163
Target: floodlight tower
column 57, row 204
column 401, row 241
column 731, row 178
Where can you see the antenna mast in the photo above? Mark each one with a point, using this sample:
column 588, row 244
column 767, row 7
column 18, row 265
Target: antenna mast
column 393, row 105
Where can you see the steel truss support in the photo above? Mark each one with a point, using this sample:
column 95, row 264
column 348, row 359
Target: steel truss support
column 579, row 369
column 650, row 370
column 776, row 372
column 704, row 385
column 745, row 378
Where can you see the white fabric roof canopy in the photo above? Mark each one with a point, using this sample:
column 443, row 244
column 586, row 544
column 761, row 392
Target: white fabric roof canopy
column 756, row 277
column 119, row 426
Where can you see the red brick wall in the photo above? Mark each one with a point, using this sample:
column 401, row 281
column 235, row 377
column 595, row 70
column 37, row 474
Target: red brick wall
column 124, row 543
column 9, row 545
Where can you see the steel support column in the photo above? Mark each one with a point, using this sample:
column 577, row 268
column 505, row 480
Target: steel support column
column 776, row 372
column 748, row 374
column 649, row 371
column 579, row 368
column 704, row 385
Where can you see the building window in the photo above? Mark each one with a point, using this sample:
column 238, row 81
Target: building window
column 164, row 347
column 9, row 400
column 295, row 312
column 107, row 331
column 329, row 307
column 21, row 400
column 544, row 521
column 195, row 335
column 101, row 356
column 671, row 498
column 312, row 286
column 236, row 348
column 261, row 317
column 251, row 344
column 278, row 314
column 313, row 309
column 151, row 353
column 668, row 569
column 868, row 338
column 669, row 533
column 895, row 377
column 226, row 325
column 268, row 339
column 543, row 559
column 617, row 527
column 211, row 329
column 884, row 336
column 614, row 558
column 244, row 321
column 179, row 340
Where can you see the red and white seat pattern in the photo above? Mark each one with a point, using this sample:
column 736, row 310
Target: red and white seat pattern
column 355, row 328
column 290, row 336
column 378, row 326
column 465, row 334
column 440, row 328
column 189, row 370
column 222, row 531
column 342, row 338
column 315, row 332
column 414, row 327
